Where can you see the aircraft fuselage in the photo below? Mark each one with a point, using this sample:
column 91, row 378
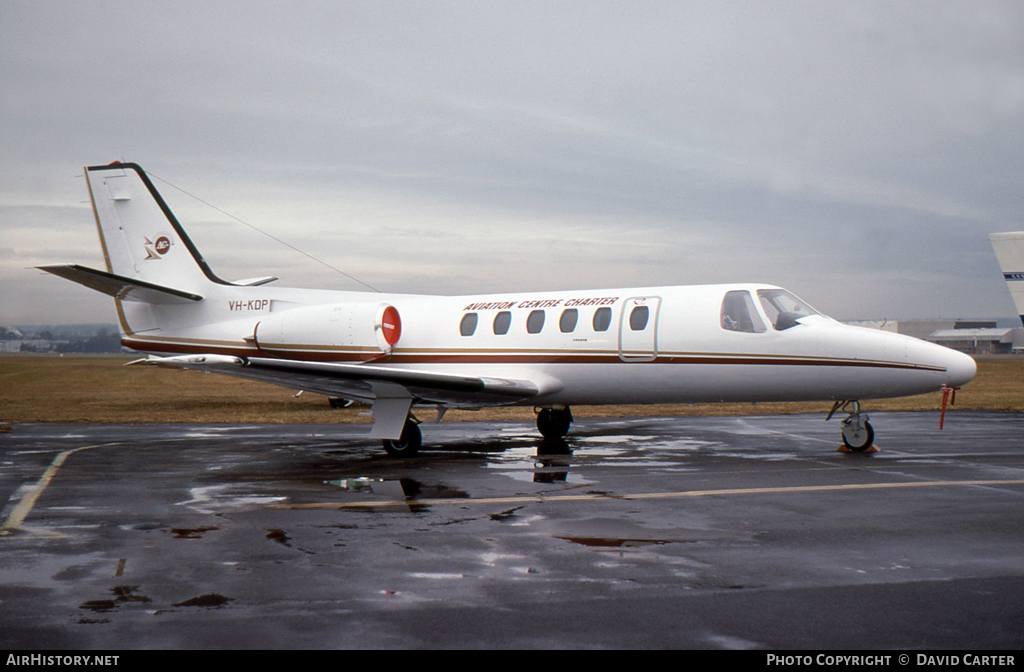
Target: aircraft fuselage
column 681, row 354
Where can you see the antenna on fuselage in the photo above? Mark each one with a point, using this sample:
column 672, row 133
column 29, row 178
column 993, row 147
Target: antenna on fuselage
column 268, row 235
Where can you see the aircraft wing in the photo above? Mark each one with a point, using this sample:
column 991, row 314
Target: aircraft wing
column 391, row 391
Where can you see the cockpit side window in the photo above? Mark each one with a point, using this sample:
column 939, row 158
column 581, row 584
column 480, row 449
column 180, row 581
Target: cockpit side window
column 739, row 313
column 782, row 308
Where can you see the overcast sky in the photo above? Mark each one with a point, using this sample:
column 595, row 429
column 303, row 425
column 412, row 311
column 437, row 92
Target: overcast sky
column 856, row 153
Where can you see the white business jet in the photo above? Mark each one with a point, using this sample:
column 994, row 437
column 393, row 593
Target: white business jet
column 549, row 350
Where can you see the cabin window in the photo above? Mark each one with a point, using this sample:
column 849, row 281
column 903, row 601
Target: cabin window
column 502, row 321
column 468, row 325
column 739, row 313
column 638, row 318
column 602, row 319
column 782, row 308
column 567, row 322
column 535, row 322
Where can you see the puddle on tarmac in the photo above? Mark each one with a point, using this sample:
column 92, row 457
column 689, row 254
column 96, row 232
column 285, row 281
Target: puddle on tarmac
column 122, row 595
column 505, row 515
column 758, row 454
column 225, row 498
column 400, row 489
column 192, row 532
column 436, row 575
column 210, row 601
column 280, row 537
column 614, row 533
column 99, row 606
column 144, row 527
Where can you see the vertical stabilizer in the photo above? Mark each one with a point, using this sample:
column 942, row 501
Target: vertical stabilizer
column 1009, row 249
column 141, row 238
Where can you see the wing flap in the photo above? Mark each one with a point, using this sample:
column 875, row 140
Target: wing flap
column 362, row 382
column 430, row 384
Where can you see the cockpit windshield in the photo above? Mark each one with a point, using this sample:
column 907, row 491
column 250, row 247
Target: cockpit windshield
column 782, row 308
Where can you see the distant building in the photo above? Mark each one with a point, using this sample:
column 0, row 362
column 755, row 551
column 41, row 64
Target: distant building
column 924, row 328
column 975, row 337
column 983, row 341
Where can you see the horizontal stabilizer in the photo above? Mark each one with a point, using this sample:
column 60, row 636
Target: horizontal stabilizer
column 120, row 287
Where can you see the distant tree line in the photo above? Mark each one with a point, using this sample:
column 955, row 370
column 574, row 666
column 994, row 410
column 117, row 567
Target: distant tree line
column 60, row 339
column 103, row 341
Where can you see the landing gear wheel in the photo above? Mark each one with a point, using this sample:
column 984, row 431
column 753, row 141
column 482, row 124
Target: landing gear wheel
column 408, row 445
column 553, row 423
column 858, row 435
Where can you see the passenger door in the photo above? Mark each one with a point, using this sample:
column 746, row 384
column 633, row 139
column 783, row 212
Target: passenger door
column 638, row 329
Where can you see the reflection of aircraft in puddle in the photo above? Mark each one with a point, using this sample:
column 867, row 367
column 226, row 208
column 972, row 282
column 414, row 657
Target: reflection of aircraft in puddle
column 407, row 490
column 548, row 350
column 550, row 469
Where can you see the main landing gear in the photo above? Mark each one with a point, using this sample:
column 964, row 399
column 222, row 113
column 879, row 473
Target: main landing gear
column 858, row 435
column 553, row 423
column 408, row 444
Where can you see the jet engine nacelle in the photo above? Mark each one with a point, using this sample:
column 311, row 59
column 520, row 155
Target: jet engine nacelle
column 370, row 329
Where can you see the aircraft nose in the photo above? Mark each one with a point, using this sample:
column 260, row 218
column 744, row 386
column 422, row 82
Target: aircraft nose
column 960, row 368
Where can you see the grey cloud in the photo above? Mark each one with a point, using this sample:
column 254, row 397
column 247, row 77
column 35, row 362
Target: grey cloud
column 845, row 149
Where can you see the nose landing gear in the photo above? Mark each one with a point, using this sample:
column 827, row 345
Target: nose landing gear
column 858, row 434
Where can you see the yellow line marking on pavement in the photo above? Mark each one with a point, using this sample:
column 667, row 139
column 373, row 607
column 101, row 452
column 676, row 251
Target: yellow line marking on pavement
column 544, row 499
column 17, row 516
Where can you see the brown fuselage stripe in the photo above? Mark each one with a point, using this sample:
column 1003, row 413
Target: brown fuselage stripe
column 492, row 358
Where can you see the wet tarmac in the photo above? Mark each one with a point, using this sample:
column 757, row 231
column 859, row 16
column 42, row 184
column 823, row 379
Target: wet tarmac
column 733, row 533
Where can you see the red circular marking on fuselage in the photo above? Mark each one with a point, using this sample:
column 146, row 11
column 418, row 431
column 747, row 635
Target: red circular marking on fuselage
column 391, row 325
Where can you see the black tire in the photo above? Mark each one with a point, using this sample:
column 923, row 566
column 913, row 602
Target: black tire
column 408, row 445
column 859, row 443
column 553, row 423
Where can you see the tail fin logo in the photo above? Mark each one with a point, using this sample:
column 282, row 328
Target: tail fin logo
column 157, row 249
